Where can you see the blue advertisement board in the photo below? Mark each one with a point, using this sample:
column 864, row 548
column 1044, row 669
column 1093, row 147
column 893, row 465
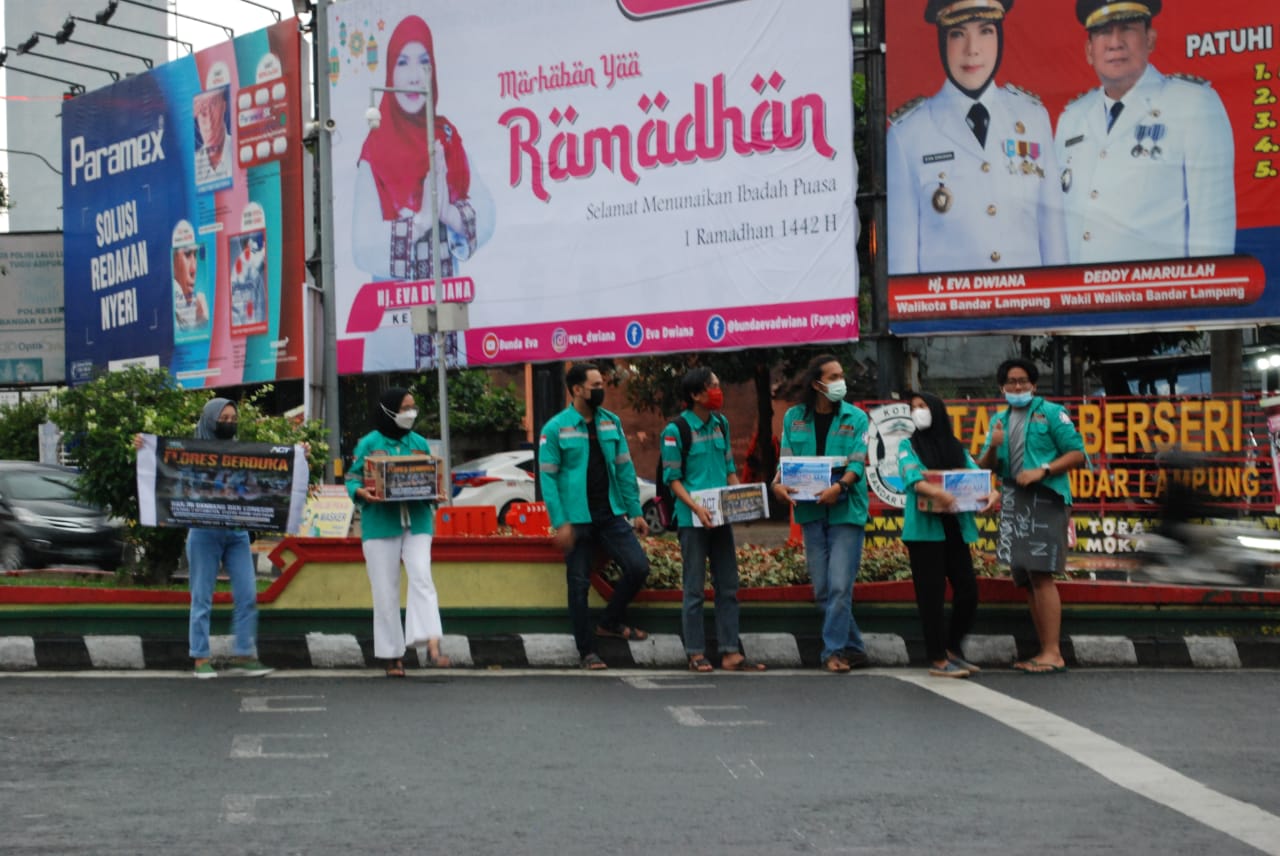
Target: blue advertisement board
column 182, row 217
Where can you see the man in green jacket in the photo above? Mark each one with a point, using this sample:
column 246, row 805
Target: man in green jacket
column 834, row 525
column 706, row 463
column 1031, row 447
column 589, row 486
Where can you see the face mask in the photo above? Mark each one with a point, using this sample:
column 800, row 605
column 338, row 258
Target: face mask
column 922, row 418
column 835, row 390
column 224, row 430
column 715, row 399
column 1018, row 399
column 595, row 397
column 405, row 419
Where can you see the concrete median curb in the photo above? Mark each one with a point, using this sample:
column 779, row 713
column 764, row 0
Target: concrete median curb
column 662, row 651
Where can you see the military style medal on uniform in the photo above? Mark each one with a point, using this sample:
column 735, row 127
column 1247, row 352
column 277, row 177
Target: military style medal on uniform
column 942, row 196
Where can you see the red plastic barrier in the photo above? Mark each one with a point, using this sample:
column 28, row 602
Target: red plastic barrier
column 466, row 520
column 529, row 518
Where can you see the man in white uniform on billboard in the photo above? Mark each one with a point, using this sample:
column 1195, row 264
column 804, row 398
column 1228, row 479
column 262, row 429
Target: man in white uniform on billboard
column 1146, row 158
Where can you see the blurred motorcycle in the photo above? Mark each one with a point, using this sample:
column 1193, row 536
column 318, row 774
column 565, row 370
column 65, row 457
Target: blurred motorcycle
column 1210, row 552
column 1195, row 545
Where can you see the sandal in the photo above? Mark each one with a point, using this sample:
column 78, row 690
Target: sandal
column 836, row 664
column 699, row 663
column 395, row 668
column 743, row 665
column 592, row 662
column 622, row 631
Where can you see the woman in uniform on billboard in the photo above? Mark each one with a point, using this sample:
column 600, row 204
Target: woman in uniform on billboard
column 973, row 179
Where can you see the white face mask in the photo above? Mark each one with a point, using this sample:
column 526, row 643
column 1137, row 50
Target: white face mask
column 406, row 418
column 922, row 418
column 835, row 391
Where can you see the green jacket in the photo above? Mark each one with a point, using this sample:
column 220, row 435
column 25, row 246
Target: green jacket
column 846, row 438
column 1050, row 434
column 562, row 466
column 920, row 525
column 710, row 460
column 383, row 519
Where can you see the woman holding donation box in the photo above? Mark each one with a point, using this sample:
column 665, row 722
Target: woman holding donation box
column 822, row 425
column 938, row 533
column 394, row 531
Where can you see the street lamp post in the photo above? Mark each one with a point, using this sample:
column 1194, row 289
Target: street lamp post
column 435, row 324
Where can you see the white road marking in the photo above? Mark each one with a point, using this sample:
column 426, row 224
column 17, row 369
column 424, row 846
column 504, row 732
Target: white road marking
column 688, row 714
column 251, row 746
column 672, row 682
column 1118, row 763
column 263, row 704
column 741, row 768
column 242, row 809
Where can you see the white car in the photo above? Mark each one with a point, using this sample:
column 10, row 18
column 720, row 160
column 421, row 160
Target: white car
column 508, row 477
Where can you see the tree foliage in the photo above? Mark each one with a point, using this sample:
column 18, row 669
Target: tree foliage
column 476, row 405
column 20, row 428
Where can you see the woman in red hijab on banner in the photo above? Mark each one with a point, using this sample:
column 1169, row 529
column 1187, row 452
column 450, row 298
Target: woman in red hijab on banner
column 392, row 234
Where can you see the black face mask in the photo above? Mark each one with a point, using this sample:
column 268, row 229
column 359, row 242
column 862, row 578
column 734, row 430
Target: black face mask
column 595, row 397
column 224, row 430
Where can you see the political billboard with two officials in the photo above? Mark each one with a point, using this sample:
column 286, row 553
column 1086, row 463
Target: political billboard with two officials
column 1082, row 165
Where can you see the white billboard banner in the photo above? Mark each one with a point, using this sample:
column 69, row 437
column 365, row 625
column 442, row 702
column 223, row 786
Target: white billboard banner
column 609, row 183
column 32, row 318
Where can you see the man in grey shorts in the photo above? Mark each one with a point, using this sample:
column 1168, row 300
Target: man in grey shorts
column 1031, row 446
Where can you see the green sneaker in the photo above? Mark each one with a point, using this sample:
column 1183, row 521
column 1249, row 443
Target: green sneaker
column 248, row 669
column 204, row 671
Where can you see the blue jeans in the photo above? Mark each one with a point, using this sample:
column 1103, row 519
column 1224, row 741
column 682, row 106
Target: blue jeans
column 832, row 553
column 696, row 547
column 615, row 536
column 207, row 550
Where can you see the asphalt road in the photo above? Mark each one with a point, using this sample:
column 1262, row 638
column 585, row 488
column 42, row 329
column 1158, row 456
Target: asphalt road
column 878, row 762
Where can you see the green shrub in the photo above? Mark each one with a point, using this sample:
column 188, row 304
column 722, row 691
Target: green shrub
column 20, row 428
column 782, row 566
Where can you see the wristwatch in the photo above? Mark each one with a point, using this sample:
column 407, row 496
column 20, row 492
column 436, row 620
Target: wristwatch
column 1047, row 472
column 844, row 487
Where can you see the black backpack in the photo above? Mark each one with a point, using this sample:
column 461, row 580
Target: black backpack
column 664, row 499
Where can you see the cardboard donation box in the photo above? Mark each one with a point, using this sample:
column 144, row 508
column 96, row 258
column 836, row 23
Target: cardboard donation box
column 733, row 504
column 969, row 487
column 397, row 478
column 810, row 476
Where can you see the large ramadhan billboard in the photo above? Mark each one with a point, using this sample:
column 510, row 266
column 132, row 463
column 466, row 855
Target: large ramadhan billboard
column 1031, row 202
column 613, row 178
column 31, row 308
column 182, row 217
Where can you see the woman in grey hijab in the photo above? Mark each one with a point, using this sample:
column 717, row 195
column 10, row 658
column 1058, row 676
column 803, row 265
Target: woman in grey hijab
column 209, row 549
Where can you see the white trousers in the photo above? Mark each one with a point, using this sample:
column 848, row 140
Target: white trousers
column 382, row 558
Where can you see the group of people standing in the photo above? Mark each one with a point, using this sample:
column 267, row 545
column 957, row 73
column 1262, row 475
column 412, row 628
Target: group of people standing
column 589, row 486
column 588, row 483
